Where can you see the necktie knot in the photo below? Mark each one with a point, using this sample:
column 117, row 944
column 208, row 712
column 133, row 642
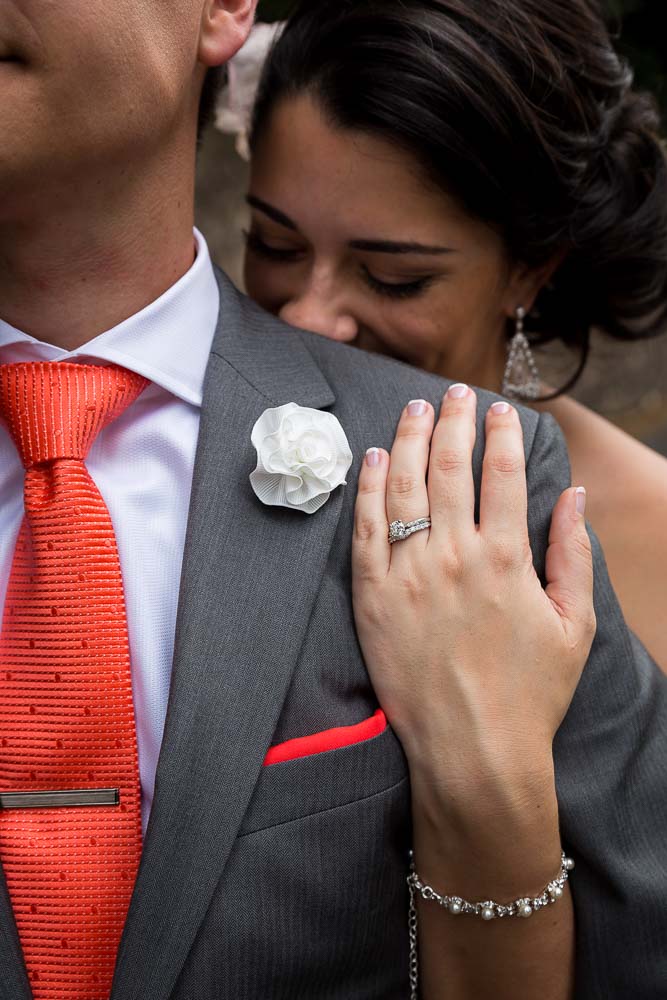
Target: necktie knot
column 56, row 410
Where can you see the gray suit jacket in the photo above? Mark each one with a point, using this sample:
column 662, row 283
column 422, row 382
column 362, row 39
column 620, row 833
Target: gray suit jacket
column 288, row 881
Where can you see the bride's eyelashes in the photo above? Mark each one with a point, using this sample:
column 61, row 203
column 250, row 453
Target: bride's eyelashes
column 255, row 244
column 398, row 290
column 390, row 289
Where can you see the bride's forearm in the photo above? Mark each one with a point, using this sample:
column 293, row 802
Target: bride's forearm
column 491, row 837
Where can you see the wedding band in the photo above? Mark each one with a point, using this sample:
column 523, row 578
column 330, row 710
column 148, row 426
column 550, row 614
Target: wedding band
column 399, row 530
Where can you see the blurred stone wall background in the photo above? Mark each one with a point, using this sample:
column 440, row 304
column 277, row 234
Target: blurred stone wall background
column 625, row 382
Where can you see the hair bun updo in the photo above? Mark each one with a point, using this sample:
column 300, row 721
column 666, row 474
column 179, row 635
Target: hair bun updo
column 623, row 222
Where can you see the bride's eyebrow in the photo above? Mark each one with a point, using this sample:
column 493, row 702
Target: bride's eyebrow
column 389, row 246
column 371, row 246
column 273, row 213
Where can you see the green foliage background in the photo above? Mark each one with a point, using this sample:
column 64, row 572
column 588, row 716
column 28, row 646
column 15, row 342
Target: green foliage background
column 636, row 25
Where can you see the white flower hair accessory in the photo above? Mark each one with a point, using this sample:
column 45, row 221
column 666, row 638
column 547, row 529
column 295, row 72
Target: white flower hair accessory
column 303, row 455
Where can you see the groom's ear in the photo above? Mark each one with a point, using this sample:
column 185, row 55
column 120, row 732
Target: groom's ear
column 225, row 25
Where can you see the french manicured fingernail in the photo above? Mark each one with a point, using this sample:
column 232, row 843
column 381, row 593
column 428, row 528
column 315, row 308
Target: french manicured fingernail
column 500, row 408
column 458, row 391
column 417, row 408
column 581, row 500
column 373, row 457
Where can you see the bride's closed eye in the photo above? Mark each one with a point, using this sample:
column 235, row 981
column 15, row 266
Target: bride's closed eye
column 257, row 245
column 398, row 289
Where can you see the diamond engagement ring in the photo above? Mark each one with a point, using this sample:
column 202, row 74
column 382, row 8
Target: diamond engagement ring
column 399, row 530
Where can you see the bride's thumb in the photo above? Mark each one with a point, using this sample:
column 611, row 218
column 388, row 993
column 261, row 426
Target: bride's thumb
column 569, row 566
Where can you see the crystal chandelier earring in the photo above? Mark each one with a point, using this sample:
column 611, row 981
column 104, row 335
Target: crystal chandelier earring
column 522, row 378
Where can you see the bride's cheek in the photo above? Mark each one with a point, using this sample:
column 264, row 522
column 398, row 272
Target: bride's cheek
column 423, row 334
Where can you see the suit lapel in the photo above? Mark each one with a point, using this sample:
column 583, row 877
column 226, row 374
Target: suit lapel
column 250, row 576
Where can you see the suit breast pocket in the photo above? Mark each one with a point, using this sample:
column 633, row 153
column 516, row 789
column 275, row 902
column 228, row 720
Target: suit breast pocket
column 328, row 739
column 315, row 773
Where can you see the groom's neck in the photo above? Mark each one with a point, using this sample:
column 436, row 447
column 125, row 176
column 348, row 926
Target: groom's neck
column 80, row 258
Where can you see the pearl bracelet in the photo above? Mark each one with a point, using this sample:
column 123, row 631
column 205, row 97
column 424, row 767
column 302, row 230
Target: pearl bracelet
column 525, row 906
column 487, row 910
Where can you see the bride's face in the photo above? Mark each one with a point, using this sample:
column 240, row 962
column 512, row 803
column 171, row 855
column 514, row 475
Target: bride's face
column 350, row 240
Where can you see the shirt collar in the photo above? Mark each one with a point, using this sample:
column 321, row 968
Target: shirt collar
column 168, row 342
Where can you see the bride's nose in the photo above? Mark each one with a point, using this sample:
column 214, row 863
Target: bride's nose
column 319, row 313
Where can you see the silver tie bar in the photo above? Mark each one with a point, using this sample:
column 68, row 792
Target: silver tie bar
column 59, row 800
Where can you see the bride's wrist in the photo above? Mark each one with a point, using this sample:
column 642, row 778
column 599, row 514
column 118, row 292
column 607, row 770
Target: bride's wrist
column 495, row 836
column 496, row 790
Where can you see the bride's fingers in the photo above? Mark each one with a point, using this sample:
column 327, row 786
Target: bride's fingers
column 569, row 566
column 370, row 544
column 451, row 485
column 504, row 495
column 407, row 496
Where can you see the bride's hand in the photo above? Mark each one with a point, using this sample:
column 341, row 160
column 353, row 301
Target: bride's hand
column 473, row 661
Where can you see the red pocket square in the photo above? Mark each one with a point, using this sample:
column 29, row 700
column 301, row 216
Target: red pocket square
column 330, row 739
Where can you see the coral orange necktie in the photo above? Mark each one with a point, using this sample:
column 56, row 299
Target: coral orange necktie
column 67, row 724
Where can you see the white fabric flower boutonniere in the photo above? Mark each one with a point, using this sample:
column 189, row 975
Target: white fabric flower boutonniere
column 303, row 455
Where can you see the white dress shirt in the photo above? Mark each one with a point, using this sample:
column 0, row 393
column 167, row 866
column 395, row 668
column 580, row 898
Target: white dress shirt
column 142, row 465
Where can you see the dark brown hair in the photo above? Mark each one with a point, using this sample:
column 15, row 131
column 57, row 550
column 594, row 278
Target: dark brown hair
column 521, row 109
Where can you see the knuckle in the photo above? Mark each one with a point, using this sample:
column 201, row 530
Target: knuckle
column 409, row 431
column 402, row 484
column 582, row 547
column 454, row 563
column 506, row 464
column 590, row 624
column 368, row 487
column 413, row 587
column 449, row 461
column 457, row 408
column 369, row 612
column 503, row 560
column 366, row 528
column 591, row 632
column 578, row 647
column 507, row 554
column 365, row 572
